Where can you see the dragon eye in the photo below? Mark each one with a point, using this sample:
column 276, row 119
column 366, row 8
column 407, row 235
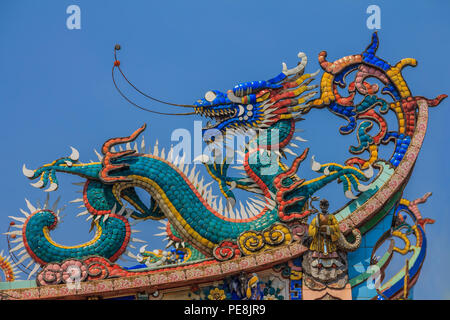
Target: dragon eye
column 210, row 96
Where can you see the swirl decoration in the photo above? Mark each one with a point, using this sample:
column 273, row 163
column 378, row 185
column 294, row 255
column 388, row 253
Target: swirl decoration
column 368, row 65
column 73, row 270
column 251, row 241
column 407, row 222
column 68, row 272
column 226, row 250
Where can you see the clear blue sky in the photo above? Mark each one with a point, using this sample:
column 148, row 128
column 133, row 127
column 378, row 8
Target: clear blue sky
column 56, row 89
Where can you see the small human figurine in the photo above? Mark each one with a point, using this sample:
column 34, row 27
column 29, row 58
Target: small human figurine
column 324, row 230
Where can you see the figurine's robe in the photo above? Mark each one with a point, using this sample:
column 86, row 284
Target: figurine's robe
column 324, row 241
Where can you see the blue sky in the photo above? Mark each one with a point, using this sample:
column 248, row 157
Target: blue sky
column 56, row 88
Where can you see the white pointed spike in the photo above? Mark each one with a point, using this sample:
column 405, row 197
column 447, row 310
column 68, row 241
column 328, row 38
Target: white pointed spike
column 29, row 263
column 22, row 259
column 220, row 208
column 202, row 158
column 83, row 213
column 18, row 226
column 272, row 195
column 300, row 139
column 121, row 211
column 135, row 231
column 22, row 252
column 170, row 154
column 35, row 269
column 75, row 155
column 160, row 234
column 349, row 194
column 259, row 207
column 16, row 233
column 207, row 185
column 143, row 248
column 169, row 243
column 175, row 162
column 137, row 240
column 315, row 166
column 129, row 212
column 24, row 213
column 128, row 253
column 106, row 217
column 186, row 170
column 293, row 145
column 90, row 217
column 97, row 218
column 18, row 219
column 255, row 190
column 142, row 145
column 256, row 202
column 99, row 156
column 47, row 199
column 242, row 211
column 236, row 214
column 155, row 149
column 326, row 171
column 27, row 172
column 233, row 185
column 290, row 151
column 136, row 147
column 226, row 212
column 30, row 206
column 163, row 154
column 128, row 146
column 369, row 172
column 76, row 200
column 19, row 246
column 53, row 187
column 16, row 240
column 131, row 246
column 200, row 185
column 214, row 204
column 38, row 184
column 252, row 209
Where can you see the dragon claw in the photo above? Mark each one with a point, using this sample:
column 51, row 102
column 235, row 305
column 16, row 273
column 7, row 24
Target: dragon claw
column 315, row 166
column 53, row 187
column 38, row 184
column 27, row 172
column 75, row 155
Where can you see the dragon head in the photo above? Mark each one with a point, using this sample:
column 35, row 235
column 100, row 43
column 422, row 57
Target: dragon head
column 258, row 104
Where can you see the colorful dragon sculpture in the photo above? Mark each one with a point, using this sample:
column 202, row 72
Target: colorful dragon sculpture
column 201, row 225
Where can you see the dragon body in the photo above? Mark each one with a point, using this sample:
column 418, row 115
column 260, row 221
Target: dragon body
column 267, row 110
